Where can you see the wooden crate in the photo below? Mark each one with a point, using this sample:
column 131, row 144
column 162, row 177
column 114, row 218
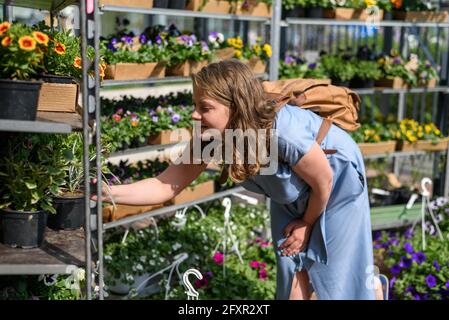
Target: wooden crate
column 225, row 53
column 186, row 68
column 425, row 145
column 350, row 14
column 421, row 16
column 190, row 194
column 257, row 65
column 135, row 71
column 395, row 83
column 258, row 9
column 122, row 211
column 377, row 148
column 58, row 97
column 163, row 137
column 211, row 6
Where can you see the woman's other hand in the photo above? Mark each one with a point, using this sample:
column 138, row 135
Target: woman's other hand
column 297, row 233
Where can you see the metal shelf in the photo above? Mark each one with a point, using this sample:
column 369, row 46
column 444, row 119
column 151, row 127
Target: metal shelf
column 61, row 253
column 170, row 79
column 387, row 217
column 383, row 23
column 168, row 209
column 397, row 154
column 183, row 13
column 149, row 148
column 397, row 91
column 49, row 5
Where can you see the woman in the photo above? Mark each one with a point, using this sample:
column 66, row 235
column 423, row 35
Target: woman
column 320, row 217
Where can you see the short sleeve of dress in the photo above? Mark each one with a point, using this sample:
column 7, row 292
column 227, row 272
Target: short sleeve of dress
column 296, row 133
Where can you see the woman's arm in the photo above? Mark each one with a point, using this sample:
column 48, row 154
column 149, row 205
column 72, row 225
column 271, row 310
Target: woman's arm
column 156, row 190
column 315, row 170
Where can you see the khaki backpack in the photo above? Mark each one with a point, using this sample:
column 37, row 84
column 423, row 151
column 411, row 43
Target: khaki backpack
column 338, row 105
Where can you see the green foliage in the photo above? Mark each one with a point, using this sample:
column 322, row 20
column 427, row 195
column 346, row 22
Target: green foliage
column 338, row 67
column 374, row 132
column 367, row 70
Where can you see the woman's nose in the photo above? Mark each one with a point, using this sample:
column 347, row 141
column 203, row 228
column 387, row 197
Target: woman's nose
column 196, row 115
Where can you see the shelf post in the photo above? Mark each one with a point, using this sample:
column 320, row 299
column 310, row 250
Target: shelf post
column 275, row 34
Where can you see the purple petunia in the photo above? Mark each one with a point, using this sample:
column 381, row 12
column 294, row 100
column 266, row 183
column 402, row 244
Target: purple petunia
column 142, row 39
column 405, row 262
column 312, row 66
column 392, row 282
column 209, row 274
column 431, row 281
column 408, row 247
column 377, row 235
column 155, row 118
column 419, row 257
column 408, row 234
column 396, row 269
column 158, row 39
column 447, row 284
column 175, row 118
column 289, row 60
column 436, row 265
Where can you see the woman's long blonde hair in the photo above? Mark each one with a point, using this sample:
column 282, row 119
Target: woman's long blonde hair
column 233, row 84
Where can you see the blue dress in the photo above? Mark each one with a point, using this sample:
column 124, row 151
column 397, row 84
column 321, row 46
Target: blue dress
column 339, row 256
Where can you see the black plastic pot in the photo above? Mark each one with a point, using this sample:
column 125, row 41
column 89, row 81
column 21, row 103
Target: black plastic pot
column 296, row 12
column 160, row 4
column 340, row 83
column 314, row 12
column 22, row 229
column 361, row 83
column 19, row 99
column 69, row 213
column 388, row 15
column 51, row 78
column 177, row 4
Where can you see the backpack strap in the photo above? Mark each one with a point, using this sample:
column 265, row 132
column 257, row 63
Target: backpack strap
column 322, row 132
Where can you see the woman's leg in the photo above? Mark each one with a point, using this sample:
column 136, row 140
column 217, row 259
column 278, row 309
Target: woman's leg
column 300, row 289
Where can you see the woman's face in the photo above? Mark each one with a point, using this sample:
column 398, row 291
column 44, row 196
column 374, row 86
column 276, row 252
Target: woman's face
column 211, row 113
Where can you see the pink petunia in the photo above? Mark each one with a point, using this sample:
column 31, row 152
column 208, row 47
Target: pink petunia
column 263, row 275
column 254, row 264
column 263, row 265
column 218, row 257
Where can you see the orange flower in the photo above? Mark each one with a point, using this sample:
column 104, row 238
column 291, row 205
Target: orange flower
column 397, row 3
column 27, row 43
column 102, row 69
column 60, row 48
column 4, row 26
column 41, row 37
column 77, row 63
column 6, row 41
column 134, row 123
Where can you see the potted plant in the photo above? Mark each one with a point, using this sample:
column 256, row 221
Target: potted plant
column 133, row 58
column 293, row 8
column 170, row 125
column 414, row 136
column 366, row 72
column 261, row 8
column 189, row 55
column 395, row 71
column 22, row 51
column 418, row 10
column 221, row 49
column 375, row 138
column 295, row 67
column 353, row 10
column 29, row 177
column 339, row 67
column 427, row 75
column 313, row 8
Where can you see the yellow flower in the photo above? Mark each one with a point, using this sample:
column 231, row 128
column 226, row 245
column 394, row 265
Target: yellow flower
column 437, row 132
column 370, row 3
column 40, row 37
column 238, row 54
column 427, row 128
column 6, row 41
column 267, row 49
column 60, row 48
column 134, row 123
column 381, row 61
column 4, row 26
column 420, row 134
column 256, row 49
column 377, row 138
column 27, row 43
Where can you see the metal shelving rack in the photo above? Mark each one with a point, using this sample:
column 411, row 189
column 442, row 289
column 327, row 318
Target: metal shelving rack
column 64, row 251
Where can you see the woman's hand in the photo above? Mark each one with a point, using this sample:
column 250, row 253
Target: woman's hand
column 106, row 192
column 297, row 233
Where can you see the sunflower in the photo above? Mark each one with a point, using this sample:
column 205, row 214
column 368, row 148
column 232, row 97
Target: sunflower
column 6, row 41
column 41, row 37
column 60, row 48
column 77, row 63
column 4, row 26
column 27, row 43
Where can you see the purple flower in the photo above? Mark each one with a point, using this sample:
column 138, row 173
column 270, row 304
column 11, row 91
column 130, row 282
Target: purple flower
column 142, row 39
column 170, row 110
column 127, row 39
column 312, row 66
column 447, row 284
column 155, row 118
column 408, row 234
column 410, row 289
column 289, row 60
column 396, row 269
column 436, row 265
column 111, row 47
column 396, row 60
column 394, row 242
column 114, row 41
column 378, row 245
column 417, row 296
column 431, row 281
column 175, row 118
column 377, row 235
column 405, row 262
column 408, row 248
column 392, row 282
column 158, row 39
column 419, row 257
column 209, row 274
